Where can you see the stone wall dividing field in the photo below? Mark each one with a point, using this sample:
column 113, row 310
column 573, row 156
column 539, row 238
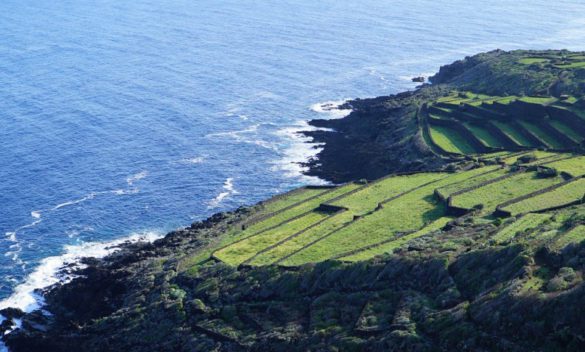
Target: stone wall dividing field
column 465, row 133
column 296, row 234
column 504, row 138
column 458, row 211
column 531, row 137
column 504, row 213
column 558, row 135
column 529, row 111
column 568, row 118
column 357, row 218
column 424, row 122
column 254, row 220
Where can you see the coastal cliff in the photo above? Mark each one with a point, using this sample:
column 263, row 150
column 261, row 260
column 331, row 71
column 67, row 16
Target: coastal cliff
column 467, row 284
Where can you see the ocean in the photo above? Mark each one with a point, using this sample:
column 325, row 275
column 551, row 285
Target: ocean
column 126, row 119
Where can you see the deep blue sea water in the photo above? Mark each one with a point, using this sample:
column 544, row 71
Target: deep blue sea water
column 128, row 118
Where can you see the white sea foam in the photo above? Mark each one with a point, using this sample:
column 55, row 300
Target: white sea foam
column 229, row 190
column 301, row 148
column 16, row 248
column 196, row 160
column 332, row 108
column 247, row 136
column 136, row 177
column 56, row 269
column 234, row 134
column 75, row 201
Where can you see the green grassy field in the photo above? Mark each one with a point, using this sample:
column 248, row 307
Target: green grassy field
column 538, row 100
column 547, row 139
column 513, row 133
column 299, row 209
column 450, row 141
column 368, row 198
column 525, row 223
column 485, row 136
column 244, row 249
column 571, row 192
column 573, row 166
column 575, row 235
column 524, row 131
column 388, row 247
column 290, row 198
column 533, row 60
column 568, row 131
column 292, row 245
column 410, row 212
column 489, row 173
column 496, row 193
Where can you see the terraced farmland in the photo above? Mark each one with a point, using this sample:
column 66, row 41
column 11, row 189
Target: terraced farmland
column 525, row 223
column 450, row 141
column 574, row 235
column 493, row 194
column 358, row 221
column 367, row 252
column 489, row 174
column 575, row 166
column 567, row 193
column 464, row 123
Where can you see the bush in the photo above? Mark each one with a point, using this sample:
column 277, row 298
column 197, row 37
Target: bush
column 525, row 159
column 546, row 172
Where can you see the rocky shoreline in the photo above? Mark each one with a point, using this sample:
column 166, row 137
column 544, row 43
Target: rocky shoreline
column 380, row 136
column 454, row 291
column 102, row 287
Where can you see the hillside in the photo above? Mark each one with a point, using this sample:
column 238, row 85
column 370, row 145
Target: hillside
column 383, row 136
column 457, row 224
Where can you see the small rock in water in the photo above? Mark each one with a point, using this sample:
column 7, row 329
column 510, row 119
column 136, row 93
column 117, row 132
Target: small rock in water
column 418, row 79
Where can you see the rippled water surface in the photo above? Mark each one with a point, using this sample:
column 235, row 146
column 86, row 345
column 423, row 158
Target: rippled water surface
column 120, row 118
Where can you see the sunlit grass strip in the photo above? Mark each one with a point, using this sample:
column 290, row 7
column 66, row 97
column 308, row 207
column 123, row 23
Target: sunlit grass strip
column 538, row 100
column 532, row 60
column 485, row 136
column 525, row 223
column 296, row 243
column 297, row 210
column 391, row 245
column 489, row 196
column 513, row 133
column 575, row 235
column 280, row 202
column 568, row 131
column 368, row 198
column 490, row 173
column 573, row 166
column 563, row 195
column 450, row 141
column 240, row 251
column 549, row 140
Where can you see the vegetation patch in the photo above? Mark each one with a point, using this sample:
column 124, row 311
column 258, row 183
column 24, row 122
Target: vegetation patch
column 489, row 196
column 566, row 194
column 525, row 223
column 450, row 140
